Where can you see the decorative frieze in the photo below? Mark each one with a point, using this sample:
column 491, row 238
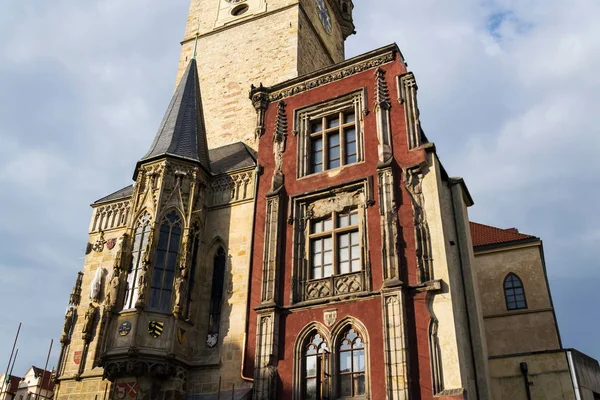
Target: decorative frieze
column 332, row 77
column 111, row 216
column 228, row 189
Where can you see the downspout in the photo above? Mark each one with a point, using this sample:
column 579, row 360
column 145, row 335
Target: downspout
column 464, row 287
column 251, row 254
column 525, row 373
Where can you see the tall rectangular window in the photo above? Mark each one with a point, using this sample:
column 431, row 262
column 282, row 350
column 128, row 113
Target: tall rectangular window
column 333, row 141
column 335, row 245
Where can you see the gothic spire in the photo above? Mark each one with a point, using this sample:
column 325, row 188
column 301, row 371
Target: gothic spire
column 182, row 133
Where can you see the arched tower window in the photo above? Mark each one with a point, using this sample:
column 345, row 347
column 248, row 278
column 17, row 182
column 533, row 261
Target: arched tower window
column 140, row 241
column 514, row 292
column 315, row 368
column 193, row 265
column 165, row 263
column 216, row 299
column 351, row 365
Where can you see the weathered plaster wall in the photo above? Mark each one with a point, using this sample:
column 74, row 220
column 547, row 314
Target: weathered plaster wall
column 516, row 331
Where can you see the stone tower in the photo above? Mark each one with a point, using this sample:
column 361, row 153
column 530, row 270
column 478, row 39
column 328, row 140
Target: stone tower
column 243, row 42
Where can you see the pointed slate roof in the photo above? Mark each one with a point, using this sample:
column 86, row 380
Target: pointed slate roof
column 182, row 133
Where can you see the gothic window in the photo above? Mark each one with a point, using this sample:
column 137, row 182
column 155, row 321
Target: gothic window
column 330, row 134
column 140, row 241
column 351, row 365
column 333, row 141
column 194, row 265
column 165, row 263
column 514, row 293
column 335, row 245
column 216, row 299
column 315, row 369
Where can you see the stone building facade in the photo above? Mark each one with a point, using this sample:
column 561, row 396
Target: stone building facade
column 290, row 233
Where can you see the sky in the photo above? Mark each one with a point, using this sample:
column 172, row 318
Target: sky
column 508, row 91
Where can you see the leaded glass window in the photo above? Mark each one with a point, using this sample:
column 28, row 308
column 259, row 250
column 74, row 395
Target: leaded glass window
column 351, row 367
column 315, row 369
column 514, row 292
column 165, row 263
column 140, row 242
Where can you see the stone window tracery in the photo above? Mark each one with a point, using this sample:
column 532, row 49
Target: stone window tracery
column 140, row 242
column 514, row 293
column 351, row 365
column 165, row 263
column 315, row 369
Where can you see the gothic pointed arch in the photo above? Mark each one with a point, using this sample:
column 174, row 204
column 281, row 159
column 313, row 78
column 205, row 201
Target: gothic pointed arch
column 165, row 261
column 218, row 258
column 140, row 245
column 350, row 371
column 514, row 292
column 312, row 363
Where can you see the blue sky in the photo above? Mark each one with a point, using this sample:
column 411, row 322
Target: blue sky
column 508, row 92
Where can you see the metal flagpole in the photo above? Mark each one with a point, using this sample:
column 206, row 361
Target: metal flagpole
column 13, row 363
column 37, row 395
column 6, row 378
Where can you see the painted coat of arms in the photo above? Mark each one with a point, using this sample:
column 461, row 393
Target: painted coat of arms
column 126, row 390
column 77, row 357
column 155, row 328
column 124, row 328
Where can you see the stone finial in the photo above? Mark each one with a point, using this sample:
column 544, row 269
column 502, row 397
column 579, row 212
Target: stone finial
column 382, row 93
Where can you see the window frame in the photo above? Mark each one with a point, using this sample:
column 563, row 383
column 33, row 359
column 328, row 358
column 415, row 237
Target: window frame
column 354, row 195
column 303, row 122
column 518, row 304
column 214, row 327
column 166, row 285
column 337, row 373
column 145, row 223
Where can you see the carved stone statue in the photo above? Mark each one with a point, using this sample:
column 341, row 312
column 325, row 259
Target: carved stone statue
column 144, row 278
column 90, row 318
column 96, row 285
column 112, row 293
column 119, row 256
column 68, row 325
column 181, row 291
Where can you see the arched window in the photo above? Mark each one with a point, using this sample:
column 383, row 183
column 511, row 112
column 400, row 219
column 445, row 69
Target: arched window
column 194, row 265
column 216, row 299
column 351, row 365
column 165, row 263
column 514, row 293
column 315, row 369
column 140, row 240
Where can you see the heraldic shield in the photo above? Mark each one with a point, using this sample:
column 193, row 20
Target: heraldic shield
column 126, row 390
column 155, row 328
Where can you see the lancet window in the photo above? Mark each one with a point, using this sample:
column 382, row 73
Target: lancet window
column 193, row 265
column 315, row 369
column 165, row 263
column 216, row 299
column 351, row 367
column 140, row 242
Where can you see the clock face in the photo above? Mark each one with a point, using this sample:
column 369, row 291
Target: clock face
column 324, row 15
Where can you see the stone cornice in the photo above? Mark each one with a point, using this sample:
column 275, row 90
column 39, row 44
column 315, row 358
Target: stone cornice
column 330, row 74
